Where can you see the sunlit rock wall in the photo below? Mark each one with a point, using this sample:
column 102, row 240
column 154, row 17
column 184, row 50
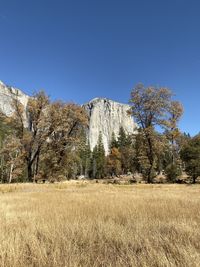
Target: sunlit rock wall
column 106, row 117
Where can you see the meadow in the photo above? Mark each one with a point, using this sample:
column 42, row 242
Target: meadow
column 86, row 224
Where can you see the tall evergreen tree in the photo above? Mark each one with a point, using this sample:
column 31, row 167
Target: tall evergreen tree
column 113, row 142
column 190, row 154
column 126, row 149
column 85, row 156
column 99, row 159
column 122, row 138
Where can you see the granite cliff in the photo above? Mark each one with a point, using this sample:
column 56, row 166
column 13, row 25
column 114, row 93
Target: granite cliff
column 7, row 93
column 106, row 117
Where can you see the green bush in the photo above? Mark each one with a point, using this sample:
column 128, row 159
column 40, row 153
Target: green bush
column 172, row 171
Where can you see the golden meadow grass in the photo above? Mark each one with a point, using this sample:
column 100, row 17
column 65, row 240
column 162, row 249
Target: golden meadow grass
column 86, row 224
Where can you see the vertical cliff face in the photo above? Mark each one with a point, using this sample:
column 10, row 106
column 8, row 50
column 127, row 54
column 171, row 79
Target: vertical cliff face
column 106, row 117
column 7, row 93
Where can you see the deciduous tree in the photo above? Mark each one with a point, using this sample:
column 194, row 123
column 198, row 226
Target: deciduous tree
column 64, row 123
column 151, row 109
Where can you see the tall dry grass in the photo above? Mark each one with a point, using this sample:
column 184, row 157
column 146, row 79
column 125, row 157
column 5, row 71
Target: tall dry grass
column 99, row 225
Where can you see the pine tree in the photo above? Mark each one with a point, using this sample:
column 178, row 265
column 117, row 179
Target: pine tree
column 99, row 160
column 190, row 154
column 113, row 142
column 94, row 161
column 126, row 149
column 85, row 156
column 122, row 138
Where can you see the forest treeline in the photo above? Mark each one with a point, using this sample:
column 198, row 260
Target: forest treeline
column 47, row 141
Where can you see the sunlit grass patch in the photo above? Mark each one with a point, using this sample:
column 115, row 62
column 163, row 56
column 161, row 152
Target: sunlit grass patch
column 89, row 224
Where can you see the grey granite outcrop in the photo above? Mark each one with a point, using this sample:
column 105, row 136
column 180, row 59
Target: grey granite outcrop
column 106, row 117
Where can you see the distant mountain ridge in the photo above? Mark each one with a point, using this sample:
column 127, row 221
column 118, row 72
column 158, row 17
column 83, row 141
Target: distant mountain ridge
column 105, row 116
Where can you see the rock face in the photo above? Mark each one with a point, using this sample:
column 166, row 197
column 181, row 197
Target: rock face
column 7, row 93
column 106, row 117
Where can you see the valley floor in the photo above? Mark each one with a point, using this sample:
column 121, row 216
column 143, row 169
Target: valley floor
column 84, row 224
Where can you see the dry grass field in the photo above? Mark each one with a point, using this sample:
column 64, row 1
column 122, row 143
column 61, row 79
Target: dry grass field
column 84, row 224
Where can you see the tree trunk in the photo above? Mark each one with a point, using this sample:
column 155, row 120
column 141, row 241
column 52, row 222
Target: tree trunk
column 36, row 167
column 37, row 164
column 149, row 175
column 10, row 174
column 150, row 158
column 94, row 169
column 30, row 161
column 2, row 168
column 86, row 168
column 29, row 169
column 193, row 179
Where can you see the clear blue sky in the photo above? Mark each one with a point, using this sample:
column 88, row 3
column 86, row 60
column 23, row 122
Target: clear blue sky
column 81, row 49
